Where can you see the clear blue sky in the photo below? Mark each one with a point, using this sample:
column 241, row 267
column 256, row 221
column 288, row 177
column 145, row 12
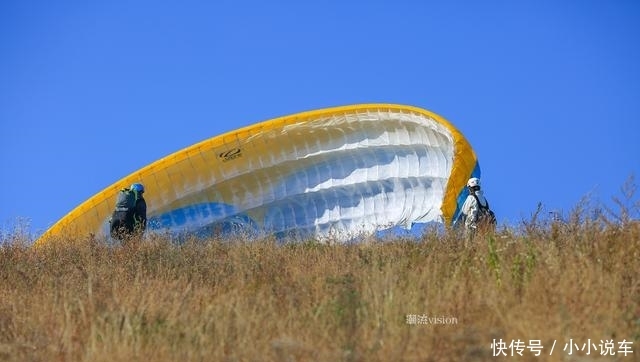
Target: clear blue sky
column 547, row 92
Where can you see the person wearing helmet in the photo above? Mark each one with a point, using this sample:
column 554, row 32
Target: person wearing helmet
column 130, row 214
column 471, row 207
column 139, row 214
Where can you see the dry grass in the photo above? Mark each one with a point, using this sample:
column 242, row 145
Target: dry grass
column 239, row 300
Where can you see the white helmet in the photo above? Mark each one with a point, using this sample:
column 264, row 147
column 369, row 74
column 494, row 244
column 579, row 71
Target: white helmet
column 473, row 182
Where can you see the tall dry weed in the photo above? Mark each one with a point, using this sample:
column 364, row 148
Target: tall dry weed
column 432, row 299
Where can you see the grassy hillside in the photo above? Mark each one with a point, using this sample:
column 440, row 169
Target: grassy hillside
column 572, row 283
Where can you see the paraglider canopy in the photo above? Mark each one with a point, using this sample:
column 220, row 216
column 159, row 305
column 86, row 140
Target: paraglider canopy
column 329, row 173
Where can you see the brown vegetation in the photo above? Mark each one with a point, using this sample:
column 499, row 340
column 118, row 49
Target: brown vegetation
column 431, row 299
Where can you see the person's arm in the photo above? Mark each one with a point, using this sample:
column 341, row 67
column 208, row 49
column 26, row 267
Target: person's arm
column 140, row 215
column 143, row 215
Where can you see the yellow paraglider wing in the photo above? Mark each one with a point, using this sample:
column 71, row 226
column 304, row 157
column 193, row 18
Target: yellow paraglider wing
column 336, row 172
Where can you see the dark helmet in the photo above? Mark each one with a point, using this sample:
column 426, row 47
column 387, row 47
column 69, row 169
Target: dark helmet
column 139, row 188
